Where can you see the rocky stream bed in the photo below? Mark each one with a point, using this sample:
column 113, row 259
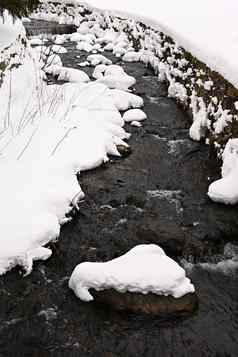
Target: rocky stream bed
column 157, row 194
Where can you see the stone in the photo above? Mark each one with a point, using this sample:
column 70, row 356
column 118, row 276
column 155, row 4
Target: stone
column 157, row 305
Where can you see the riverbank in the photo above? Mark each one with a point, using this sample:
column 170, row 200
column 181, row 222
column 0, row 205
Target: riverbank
column 155, row 195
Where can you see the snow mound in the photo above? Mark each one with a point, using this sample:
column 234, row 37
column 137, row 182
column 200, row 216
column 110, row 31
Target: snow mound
column 144, row 269
column 95, row 60
column 113, row 76
column 68, row 74
column 36, row 42
column 134, row 115
column 125, row 100
column 123, row 82
column 98, row 71
column 131, row 57
column 225, row 190
column 84, row 46
column 58, row 49
column 59, row 39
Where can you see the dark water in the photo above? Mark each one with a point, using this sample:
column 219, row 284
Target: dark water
column 156, row 195
column 39, row 27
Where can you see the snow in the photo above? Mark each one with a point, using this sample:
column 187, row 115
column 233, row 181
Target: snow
column 125, row 100
column 48, row 135
column 123, row 82
column 144, row 269
column 133, row 115
column 68, row 74
column 59, row 39
column 36, row 42
column 205, row 29
column 225, row 190
column 53, row 60
column 109, row 74
column 131, row 57
column 84, row 46
column 58, row 49
column 200, row 118
column 136, row 123
column 9, row 30
column 95, row 60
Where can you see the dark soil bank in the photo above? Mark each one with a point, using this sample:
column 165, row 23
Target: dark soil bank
column 155, row 195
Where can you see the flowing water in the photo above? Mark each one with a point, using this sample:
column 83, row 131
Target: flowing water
column 155, row 195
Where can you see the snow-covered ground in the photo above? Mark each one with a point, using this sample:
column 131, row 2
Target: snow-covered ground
column 9, row 30
column 206, row 28
column 49, row 134
column 144, row 269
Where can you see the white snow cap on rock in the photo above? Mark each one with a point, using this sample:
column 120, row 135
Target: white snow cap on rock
column 58, row 49
column 134, row 115
column 125, row 100
column 131, row 56
column 36, row 41
column 225, row 190
column 68, row 74
column 59, row 39
column 95, row 60
column 113, row 76
column 144, row 269
column 123, row 82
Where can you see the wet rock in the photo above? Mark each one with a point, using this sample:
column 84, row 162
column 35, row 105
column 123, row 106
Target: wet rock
column 124, row 150
column 162, row 306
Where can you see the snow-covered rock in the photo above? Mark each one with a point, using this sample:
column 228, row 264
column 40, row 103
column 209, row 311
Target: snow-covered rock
column 125, row 100
column 133, row 115
column 144, row 269
column 225, row 190
column 114, row 70
column 136, row 123
column 68, row 74
column 58, row 49
column 123, row 82
column 59, row 39
column 36, row 42
column 95, row 60
column 84, row 46
column 131, row 57
column 99, row 71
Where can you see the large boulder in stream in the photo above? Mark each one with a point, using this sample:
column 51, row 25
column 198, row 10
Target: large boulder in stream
column 144, row 280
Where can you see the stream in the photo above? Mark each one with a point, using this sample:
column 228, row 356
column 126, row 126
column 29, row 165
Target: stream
column 155, row 195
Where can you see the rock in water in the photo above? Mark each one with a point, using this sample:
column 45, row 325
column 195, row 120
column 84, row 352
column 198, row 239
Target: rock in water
column 143, row 280
column 148, row 304
column 124, row 150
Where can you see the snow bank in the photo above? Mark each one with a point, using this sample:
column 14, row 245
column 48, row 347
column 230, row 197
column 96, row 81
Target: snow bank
column 144, row 269
column 48, row 136
column 9, row 30
column 205, row 29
